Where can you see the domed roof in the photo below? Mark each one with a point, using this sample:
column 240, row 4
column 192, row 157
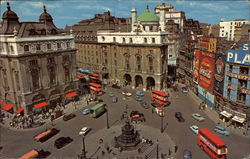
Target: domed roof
column 45, row 16
column 9, row 14
column 148, row 17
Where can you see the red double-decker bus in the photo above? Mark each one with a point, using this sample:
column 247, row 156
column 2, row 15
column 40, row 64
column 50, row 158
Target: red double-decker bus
column 159, row 97
column 211, row 144
column 94, row 78
column 95, row 88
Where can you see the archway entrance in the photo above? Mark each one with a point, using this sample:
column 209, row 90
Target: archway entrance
column 127, row 79
column 150, row 83
column 138, row 81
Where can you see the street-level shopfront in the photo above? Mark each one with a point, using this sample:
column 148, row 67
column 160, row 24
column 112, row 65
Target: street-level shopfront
column 231, row 112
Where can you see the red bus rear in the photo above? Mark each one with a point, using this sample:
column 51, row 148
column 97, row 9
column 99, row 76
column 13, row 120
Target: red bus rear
column 95, row 88
column 94, row 78
column 159, row 97
column 211, row 144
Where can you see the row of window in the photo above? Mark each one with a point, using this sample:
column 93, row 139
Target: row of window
column 38, row 46
column 145, row 40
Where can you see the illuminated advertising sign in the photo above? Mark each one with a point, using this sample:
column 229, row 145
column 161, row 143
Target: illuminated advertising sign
column 196, row 65
column 219, row 70
column 240, row 56
column 206, row 72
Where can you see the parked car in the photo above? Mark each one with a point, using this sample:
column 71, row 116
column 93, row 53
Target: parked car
column 187, row 154
column 116, row 86
column 179, row 117
column 137, row 116
column 62, row 141
column 198, row 117
column 114, row 99
column 139, row 93
column 138, row 98
column 67, row 117
column 221, row 130
column 85, row 111
column 144, row 105
column 110, row 94
column 154, row 104
column 84, row 131
column 35, row 154
column 46, row 134
column 184, row 89
column 194, row 129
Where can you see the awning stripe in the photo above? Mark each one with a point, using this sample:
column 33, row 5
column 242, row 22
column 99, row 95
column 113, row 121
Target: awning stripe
column 7, row 107
column 41, row 105
column 71, row 95
column 18, row 111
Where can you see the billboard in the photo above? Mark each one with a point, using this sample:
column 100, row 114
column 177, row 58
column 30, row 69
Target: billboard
column 240, row 56
column 196, row 65
column 206, row 71
column 219, row 70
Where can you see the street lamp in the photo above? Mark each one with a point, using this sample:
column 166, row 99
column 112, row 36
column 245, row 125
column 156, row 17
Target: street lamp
column 162, row 122
column 107, row 117
column 83, row 154
column 157, row 149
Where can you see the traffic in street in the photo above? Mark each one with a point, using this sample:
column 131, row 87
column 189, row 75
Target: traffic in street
column 178, row 130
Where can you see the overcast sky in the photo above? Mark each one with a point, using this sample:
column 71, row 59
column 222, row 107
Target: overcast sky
column 72, row 11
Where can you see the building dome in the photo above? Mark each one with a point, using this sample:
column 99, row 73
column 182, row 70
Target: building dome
column 9, row 14
column 45, row 16
column 148, row 17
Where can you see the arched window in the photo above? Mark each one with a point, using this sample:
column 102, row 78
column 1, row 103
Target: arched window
column 150, row 63
column 138, row 63
column 26, row 47
column 35, row 78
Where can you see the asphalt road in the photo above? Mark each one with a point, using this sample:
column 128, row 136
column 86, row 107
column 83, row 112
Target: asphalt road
column 16, row 143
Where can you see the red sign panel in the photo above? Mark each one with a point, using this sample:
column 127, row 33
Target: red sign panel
column 196, row 65
column 206, row 72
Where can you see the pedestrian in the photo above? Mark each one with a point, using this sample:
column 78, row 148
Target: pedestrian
column 100, row 141
column 169, row 152
column 87, row 101
column 152, row 111
column 175, row 148
column 139, row 150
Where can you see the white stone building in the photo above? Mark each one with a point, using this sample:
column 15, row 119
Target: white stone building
column 227, row 28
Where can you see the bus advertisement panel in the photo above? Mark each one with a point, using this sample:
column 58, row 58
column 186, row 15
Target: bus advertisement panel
column 159, row 97
column 211, row 144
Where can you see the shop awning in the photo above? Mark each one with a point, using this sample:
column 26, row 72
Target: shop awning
column 7, row 107
column 226, row 114
column 18, row 111
column 80, row 76
column 238, row 119
column 40, row 105
column 71, row 95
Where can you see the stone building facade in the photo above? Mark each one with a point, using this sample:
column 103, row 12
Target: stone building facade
column 37, row 63
column 138, row 58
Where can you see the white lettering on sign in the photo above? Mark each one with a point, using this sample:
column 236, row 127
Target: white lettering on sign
column 245, row 47
column 236, row 59
column 230, row 55
column 246, row 59
column 205, row 73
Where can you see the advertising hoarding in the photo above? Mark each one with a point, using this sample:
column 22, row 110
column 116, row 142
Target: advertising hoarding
column 219, row 70
column 196, row 65
column 240, row 56
column 206, row 71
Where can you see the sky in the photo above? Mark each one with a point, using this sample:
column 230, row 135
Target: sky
column 70, row 12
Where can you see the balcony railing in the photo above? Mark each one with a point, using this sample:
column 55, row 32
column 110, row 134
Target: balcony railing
column 150, row 71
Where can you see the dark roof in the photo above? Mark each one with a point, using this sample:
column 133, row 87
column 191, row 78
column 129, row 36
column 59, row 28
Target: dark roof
column 9, row 14
column 45, row 16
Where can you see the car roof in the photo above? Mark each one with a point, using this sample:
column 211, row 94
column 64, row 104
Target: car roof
column 195, row 126
column 219, row 127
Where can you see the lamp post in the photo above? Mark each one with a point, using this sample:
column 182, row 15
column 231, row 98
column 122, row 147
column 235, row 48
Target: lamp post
column 162, row 121
column 107, row 117
column 83, row 154
column 157, row 149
